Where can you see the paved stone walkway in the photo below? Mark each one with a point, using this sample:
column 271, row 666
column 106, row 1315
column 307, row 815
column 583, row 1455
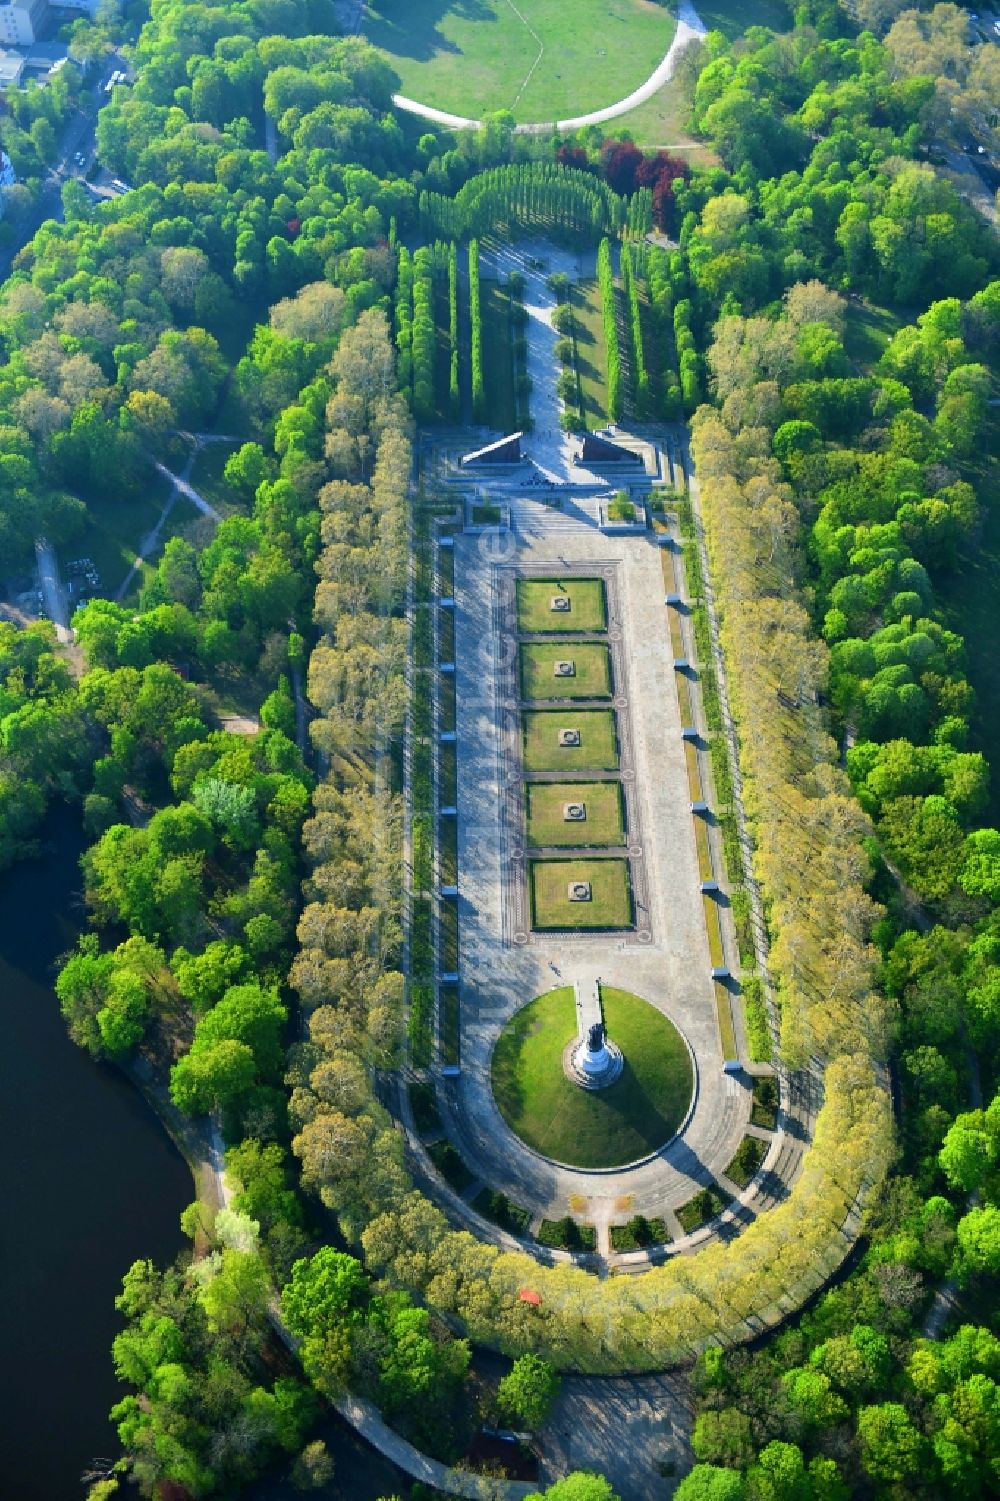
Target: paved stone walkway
column 551, row 450
column 672, row 971
column 368, row 1421
column 633, row 1429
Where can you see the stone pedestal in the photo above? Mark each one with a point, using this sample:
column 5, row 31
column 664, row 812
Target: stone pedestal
column 591, row 1060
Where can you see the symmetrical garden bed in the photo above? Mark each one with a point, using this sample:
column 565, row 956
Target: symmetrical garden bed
column 555, row 604
column 595, row 747
column 575, row 813
column 565, row 669
column 585, row 810
column 608, row 905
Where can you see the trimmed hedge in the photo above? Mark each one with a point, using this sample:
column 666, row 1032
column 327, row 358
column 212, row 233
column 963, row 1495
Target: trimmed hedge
column 454, row 392
column 567, row 1235
column 404, row 320
column 494, row 1205
column 747, row 1159
column 421, row 1023
column 567, row 203
column 687, row 355
column 705, row 1205
column 476, row 316
column 424, row 339
column 606, row 282
column 423, row 1103
column 422, row 844
column 639, row 1233
column 755, row 1016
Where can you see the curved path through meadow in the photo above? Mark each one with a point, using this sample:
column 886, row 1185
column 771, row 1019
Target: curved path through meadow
column 690, row 27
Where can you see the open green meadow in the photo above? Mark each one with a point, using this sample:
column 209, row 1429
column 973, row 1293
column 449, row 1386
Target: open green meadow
column 609, row 905
column 591, row 676
column 603, row 1128
column 597, row 751
column 586, row 611
column 115, row 530
column 543, row 60
column 604, row 823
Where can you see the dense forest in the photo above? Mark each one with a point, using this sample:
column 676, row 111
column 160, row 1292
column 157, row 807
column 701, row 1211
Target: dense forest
column 245, row 903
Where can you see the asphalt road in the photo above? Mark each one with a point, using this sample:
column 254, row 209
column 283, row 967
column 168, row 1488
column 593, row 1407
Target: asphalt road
column 78, row 135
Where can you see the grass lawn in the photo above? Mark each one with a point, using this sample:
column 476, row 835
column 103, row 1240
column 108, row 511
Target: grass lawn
column 867, row 330
column 116, row 528
column 471, row 60
column 598, row 748
column 233, row 416
column 610, row 904
column 207, row 476
column 662, row 121
column 733, row 17
column 498, row 358
column 591, row 677
column 602, row 1128
column 591, row 352
column 603, row 825
column 587, row 610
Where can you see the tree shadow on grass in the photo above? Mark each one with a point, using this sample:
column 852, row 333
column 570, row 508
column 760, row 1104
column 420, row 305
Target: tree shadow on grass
column 643, row 1115
column 411, row 28
column 624, row 1114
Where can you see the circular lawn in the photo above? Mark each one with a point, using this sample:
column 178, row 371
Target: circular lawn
column 544, row 61
column 592, row 1128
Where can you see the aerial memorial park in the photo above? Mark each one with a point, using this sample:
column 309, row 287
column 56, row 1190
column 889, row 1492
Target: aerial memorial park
column 498, row 687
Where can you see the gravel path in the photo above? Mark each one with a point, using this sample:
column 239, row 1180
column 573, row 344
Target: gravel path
column 53, row 593
column 633, row 1429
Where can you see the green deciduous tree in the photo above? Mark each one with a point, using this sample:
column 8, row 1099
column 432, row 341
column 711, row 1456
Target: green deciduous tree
column 528, row 1391
column 892, row 1448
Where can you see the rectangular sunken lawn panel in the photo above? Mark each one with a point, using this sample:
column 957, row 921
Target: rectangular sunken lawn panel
column 592, row 678
column 597, row 751
column 587, row 610
column 603, row 825
column 610, row 905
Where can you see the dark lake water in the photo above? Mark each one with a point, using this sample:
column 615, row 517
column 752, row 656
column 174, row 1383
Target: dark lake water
column 88, row 1184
